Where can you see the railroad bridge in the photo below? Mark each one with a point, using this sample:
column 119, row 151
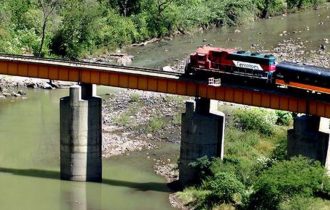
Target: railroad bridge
column 202, row 125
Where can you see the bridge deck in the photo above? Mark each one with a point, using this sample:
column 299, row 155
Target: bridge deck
column 165, row 82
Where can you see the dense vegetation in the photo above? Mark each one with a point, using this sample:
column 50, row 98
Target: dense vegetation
column 256, row 172
column 74, row 28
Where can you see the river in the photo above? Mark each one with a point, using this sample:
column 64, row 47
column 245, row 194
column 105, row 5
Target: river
column 29, row 129
column 29, row 165
column 311, row 27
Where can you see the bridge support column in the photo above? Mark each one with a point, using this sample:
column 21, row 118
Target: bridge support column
column 81, row 135
column 310, row 138
column 202, row 134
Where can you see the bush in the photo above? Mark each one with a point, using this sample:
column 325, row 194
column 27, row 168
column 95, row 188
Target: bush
column 294, row 5
column 155, row 124
column 298, row 176
column 266, row 8
column 304, row 203
column 255, row 119
column 242, row 169
column 283, row 117
column 202, row 166
column 281, row 152
column 223, row 188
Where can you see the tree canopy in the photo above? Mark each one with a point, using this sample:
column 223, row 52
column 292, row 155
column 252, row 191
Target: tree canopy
column 74, row 28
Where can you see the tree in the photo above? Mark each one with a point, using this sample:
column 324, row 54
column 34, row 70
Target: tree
column 161, row 16
column 126, row 7
column 78, row 30
column 48, row 7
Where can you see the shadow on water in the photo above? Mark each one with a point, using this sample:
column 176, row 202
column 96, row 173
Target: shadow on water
column 147, row 186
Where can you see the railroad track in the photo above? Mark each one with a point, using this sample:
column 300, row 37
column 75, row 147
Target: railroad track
column 82, row 64
column 151, row 72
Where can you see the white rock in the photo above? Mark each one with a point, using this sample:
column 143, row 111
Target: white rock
column 168, row 68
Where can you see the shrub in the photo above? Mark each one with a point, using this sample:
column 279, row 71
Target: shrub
column 298, row 176
column 305, row 203
column 156, row 123
column 283, row 117
column 300, row 4
column 135, row 97
column 267, row 8
column 255, row 119
column 280, row 152
column 241, row 168
column 202, row 166
column 223, row 188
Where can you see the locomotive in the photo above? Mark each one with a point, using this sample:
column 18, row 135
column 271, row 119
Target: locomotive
column 211, row 61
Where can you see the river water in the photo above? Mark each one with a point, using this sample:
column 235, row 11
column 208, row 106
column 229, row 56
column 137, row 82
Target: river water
column 29, row 129
column 311, row 26
column 29, row 165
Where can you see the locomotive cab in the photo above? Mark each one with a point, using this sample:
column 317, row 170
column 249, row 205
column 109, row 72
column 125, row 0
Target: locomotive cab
column 200, row 59
column 209, row 58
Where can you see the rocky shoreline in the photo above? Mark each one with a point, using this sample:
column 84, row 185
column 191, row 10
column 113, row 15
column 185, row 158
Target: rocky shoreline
column 15, row 87
column 137, row 120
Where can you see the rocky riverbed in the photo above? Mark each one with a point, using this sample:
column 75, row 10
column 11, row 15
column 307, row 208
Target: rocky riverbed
column 137, row 120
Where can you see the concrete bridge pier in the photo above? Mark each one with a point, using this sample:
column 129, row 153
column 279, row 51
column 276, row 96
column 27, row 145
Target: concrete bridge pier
column 310, row 138
column 81, row 134
column 202, row 134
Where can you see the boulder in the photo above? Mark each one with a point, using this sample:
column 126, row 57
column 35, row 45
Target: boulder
column 167, row 68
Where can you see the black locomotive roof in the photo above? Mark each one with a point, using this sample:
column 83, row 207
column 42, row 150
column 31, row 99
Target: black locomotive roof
column 291, row 67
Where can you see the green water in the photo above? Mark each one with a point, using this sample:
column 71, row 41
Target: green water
column 29, row 165
column 312, row 26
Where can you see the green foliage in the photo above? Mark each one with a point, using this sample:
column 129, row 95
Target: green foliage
column 155, row 124
column 177, row 119
column 77, row 33
column 266, row 8
column 298, row 176
column 202, row 166
column 280, row 152
column 124, row 119
column 80, row 27
column 255, row 173
column 283, row 117
column 223, row 188
column 135, row 97
column 300, row 4
column 255, row 119
column 304, row 203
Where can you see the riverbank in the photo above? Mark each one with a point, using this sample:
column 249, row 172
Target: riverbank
column 15, row 86
column 138, row 120
column 112, row 25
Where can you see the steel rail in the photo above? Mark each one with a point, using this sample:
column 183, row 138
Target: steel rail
column 165, row 82
column 82, row 64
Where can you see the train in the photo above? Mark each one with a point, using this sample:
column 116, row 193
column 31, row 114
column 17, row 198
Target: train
column 209, row 61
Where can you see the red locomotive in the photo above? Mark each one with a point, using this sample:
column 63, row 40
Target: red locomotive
column 230, row 63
